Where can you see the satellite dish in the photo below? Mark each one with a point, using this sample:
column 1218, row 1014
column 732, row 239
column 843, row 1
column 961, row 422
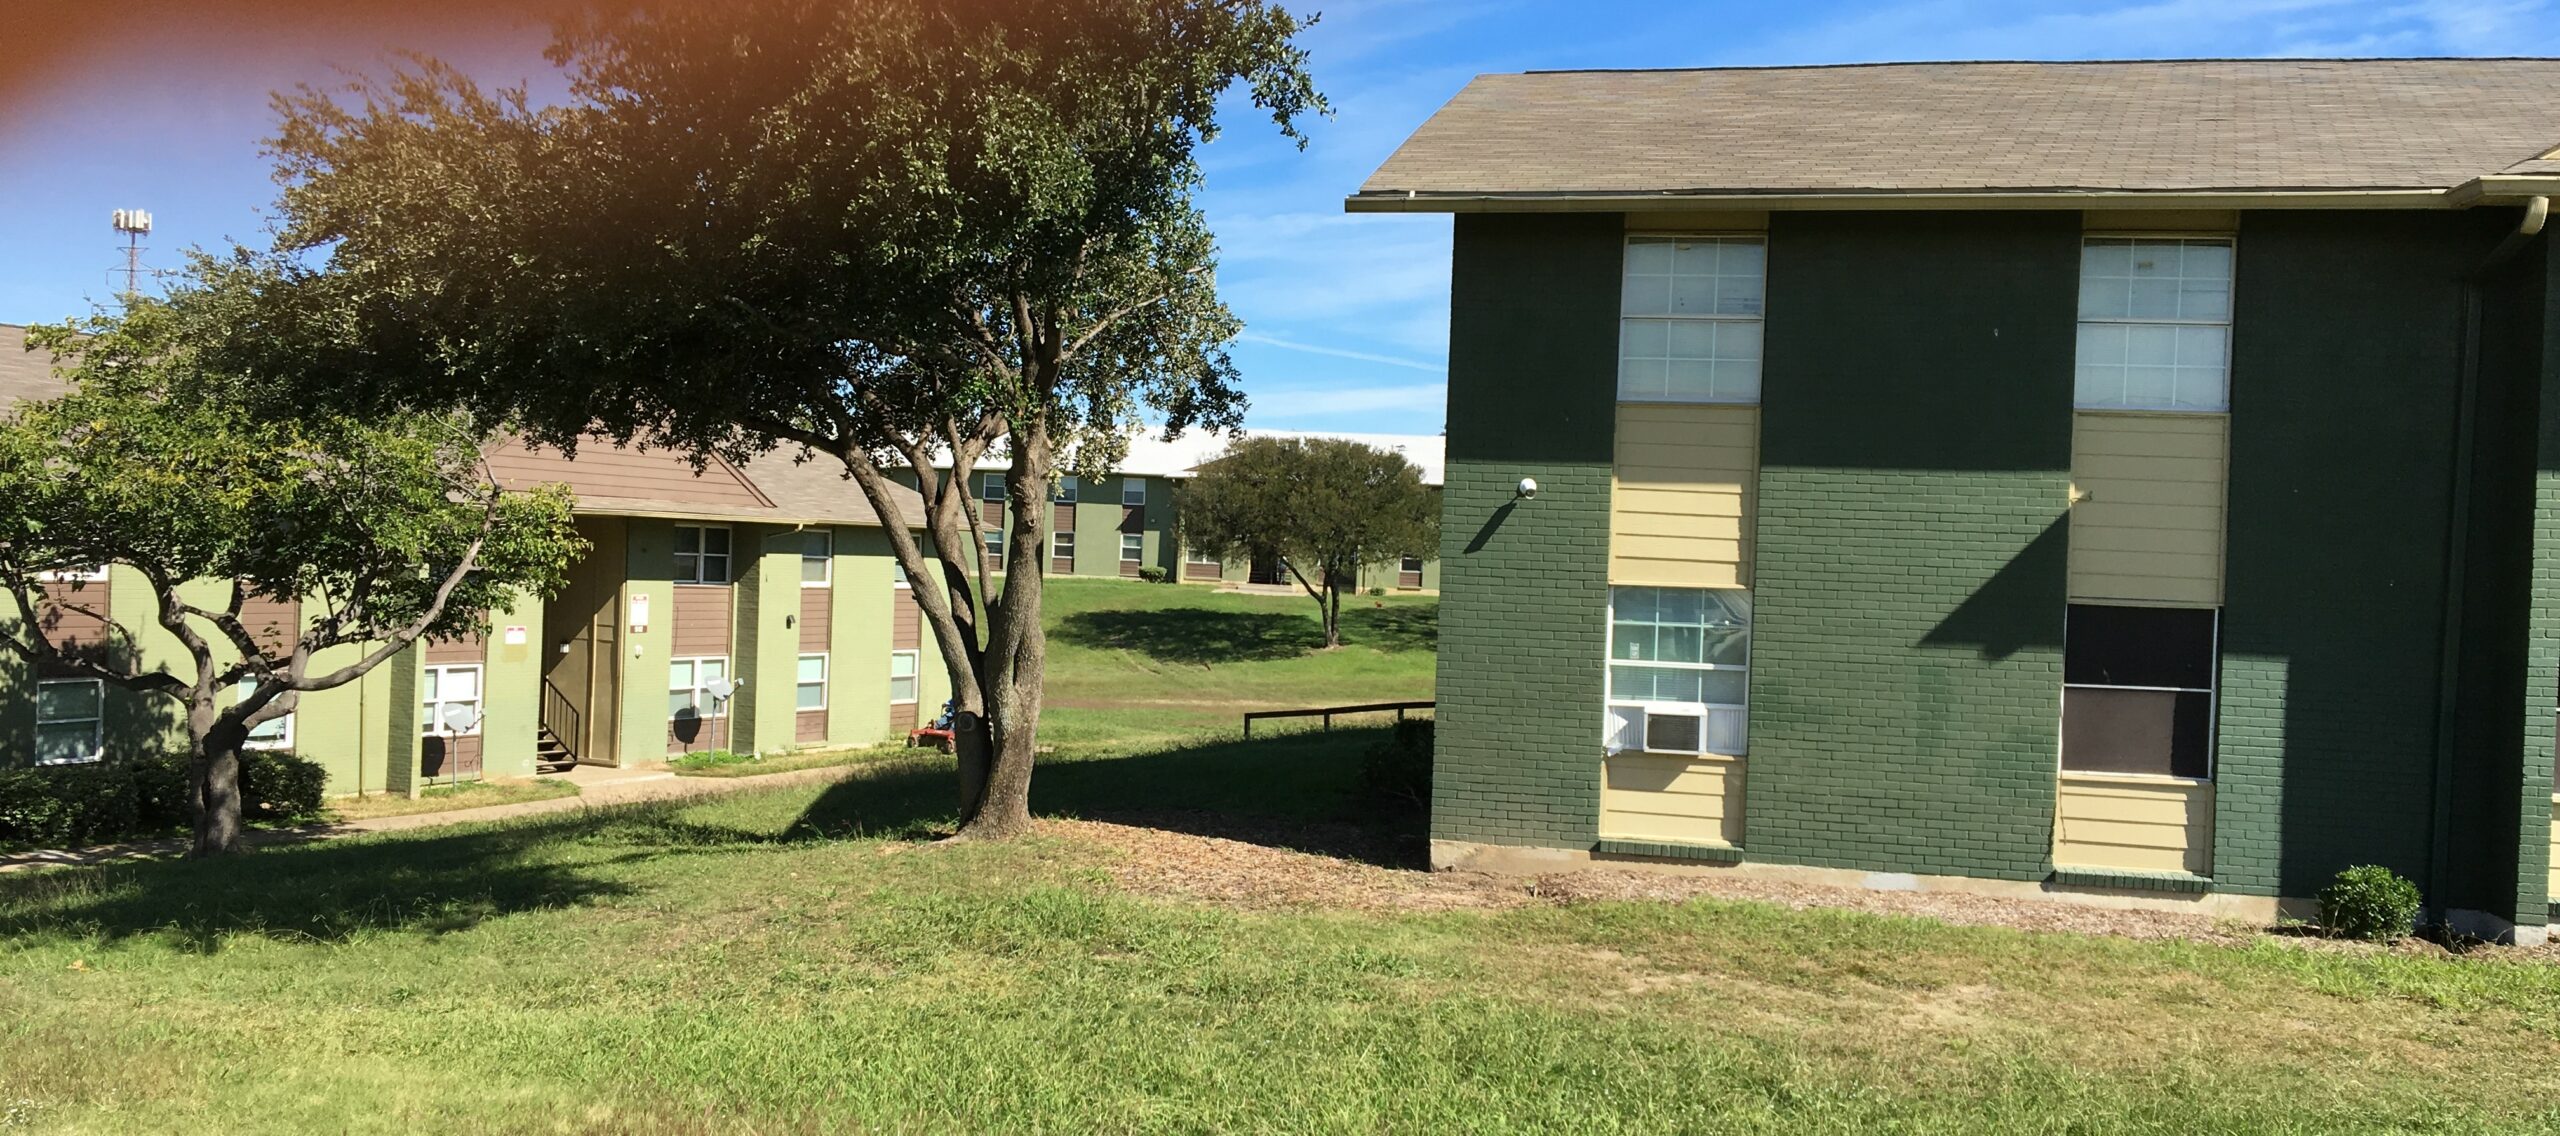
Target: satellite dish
column 459, row 718
column 720, row 687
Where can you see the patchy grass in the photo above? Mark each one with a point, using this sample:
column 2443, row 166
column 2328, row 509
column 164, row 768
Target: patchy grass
column 444, row 798
column 785, row 961
column 727, row 763
column 1150, row 665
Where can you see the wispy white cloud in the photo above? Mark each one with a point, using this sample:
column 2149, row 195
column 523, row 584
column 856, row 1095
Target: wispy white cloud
column 1344, row 407
column 1341, row 353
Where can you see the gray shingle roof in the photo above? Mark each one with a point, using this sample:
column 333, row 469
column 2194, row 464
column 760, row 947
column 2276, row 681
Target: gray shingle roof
column 2189, row 125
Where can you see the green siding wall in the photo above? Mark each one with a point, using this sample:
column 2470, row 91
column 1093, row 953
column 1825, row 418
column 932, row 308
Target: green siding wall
column 1907, row 625
column 2346, row 343
column 1532, row 393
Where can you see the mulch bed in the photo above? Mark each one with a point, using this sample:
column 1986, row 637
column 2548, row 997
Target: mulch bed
column 1279, row 866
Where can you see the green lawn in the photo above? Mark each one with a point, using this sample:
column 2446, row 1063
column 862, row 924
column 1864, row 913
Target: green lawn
column 1151, row 664
column 805, row 959
column 444, row 798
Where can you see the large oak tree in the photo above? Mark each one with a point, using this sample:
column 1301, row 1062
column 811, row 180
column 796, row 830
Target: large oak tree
column 902, row 234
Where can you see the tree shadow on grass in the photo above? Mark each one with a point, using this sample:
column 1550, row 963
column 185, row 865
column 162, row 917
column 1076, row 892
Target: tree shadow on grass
column 1391, row 627
column 1297, row 791
column 1196, row 637
column 332, row 891
column 1193, row 636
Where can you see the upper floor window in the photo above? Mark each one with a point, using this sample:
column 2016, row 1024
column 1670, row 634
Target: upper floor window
column 702, row 554
column 2155, row 324
column 1133, row 491
column 991, row 486
column 1066, row 494
column 1689, row 319
column 817, row 558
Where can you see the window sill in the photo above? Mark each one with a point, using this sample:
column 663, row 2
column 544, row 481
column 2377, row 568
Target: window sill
column 2156, row 779
column 1726, row 758
column 1661, row 850
column 2067, row 875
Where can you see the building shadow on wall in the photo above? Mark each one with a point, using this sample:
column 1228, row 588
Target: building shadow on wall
column 2020, row 606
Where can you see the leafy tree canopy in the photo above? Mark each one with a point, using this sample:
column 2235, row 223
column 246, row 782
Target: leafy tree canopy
column 1325, row 507
column 215, row 491
column 901, row 233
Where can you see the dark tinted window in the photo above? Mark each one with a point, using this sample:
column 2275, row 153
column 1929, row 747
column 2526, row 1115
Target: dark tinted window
column 2115, row 717
column 2138, row 646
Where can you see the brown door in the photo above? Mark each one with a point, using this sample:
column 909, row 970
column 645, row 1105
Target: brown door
column 582, row 631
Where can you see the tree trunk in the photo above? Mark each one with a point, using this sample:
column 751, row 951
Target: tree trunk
column 1332, row 604
column 1016, row 659
column 213, row 773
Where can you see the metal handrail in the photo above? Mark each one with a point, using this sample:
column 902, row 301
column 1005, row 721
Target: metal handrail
column 1327, row 712
column 557, row 708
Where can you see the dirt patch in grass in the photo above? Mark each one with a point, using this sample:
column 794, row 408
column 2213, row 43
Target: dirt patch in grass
column 444, row 798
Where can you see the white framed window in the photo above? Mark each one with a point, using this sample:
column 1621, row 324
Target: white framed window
column 702, row 554
column 1132, row 547
column 1066, row 494
column 995, row 545
column 2155, row 324
column 275, row 733
column 1679, row 670
column 1133, row 491
column 449, row 698
column 1200, row 557
column 71, row 720
column 689, row 687
column 1689, row 319
column 991, row 486
column 817, row 558
column 902, row 677
column 898, row 574
column 1410, row 564
column 811, row 683
column 1062, row 545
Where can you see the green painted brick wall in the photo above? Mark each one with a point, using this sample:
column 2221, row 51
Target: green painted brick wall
column 2345, row 347
column 1909, row 578
column 2541, row 678
column 1524, row 587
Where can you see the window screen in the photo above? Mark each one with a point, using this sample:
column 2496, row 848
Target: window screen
column 2138, row 690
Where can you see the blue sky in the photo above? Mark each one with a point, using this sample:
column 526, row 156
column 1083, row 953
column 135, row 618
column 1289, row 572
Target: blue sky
column 1346, row 317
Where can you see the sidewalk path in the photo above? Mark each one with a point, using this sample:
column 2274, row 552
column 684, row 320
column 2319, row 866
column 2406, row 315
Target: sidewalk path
column 597, row 788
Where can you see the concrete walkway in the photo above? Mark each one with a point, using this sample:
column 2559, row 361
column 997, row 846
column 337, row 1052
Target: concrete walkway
column 597, row 788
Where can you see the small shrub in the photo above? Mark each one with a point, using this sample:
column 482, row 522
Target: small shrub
column 2369, row 902
column 278, row 786
column 161, row 800
column 1153, row 574
column 65, row 806
column 1399, row 768
column 1377, row 591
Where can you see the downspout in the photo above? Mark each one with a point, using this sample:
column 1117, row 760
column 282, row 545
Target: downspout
column 2537, row 212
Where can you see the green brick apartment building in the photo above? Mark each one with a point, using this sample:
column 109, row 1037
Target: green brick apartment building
column 1130, row 521
column 748, row 608
column 2129, row 481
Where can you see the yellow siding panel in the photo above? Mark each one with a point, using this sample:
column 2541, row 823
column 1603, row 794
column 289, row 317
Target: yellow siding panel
column 2147, row 516
column 2134, row 825
column 1652, row 797
column 1680, row 512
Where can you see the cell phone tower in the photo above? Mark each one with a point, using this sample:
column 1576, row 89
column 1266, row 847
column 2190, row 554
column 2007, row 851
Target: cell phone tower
column 135, row 224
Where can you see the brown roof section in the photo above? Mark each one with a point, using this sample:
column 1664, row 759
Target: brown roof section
column 2259, row 125
column 24, row 374
column 608, row 479
column 630, row 481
